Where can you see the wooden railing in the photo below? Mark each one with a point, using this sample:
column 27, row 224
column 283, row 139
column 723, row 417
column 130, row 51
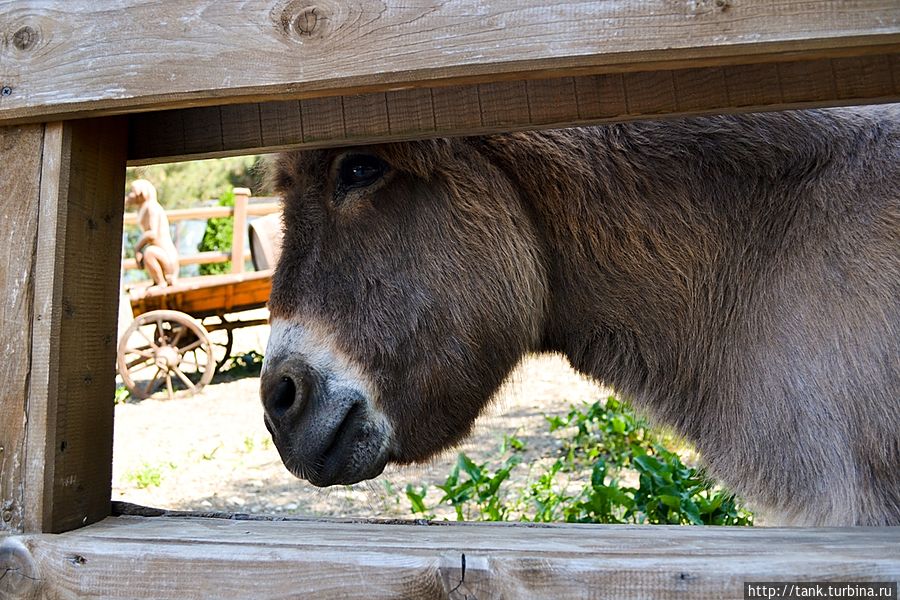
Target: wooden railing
column 240, row 211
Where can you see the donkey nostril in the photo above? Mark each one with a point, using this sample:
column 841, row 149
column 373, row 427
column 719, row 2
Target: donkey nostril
column 283, row 397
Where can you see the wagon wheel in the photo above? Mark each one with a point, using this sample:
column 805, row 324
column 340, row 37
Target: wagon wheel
column 165, row 349
column 223, row 342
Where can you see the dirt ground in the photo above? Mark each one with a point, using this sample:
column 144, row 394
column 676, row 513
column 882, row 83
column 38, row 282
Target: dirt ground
column 212, row 452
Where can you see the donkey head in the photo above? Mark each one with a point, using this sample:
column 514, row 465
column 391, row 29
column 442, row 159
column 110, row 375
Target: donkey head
column 409, row 285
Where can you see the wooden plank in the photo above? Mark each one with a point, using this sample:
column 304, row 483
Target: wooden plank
column 201, row 258
column 20, row 153
column 80, row 57
column 698, row 88
column 650, row 93
column 558, row 102
column 456, row 108
column 160, row 557
column 204, row 128
column 551, row 101
column 280, row 121
column 208, row 212
column 601, row 96
column 855, row 77
column 366, row 115
column 754, row 85
column 809, row 81
column 239, row 229
column 207, row 295
column 69, row 436
column 504, row 104
column 410, row 111
column 323, row 119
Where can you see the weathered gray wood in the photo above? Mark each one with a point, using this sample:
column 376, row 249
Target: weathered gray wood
column 19, row 575
column 509, row 105
column 20, row 154
column 186, row 558
column 75, row 57
column 68, row 471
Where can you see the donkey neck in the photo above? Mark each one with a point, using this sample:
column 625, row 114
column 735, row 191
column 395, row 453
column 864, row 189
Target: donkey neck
column 650, row 234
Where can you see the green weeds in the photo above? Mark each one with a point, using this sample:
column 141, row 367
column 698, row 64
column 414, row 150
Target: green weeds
column 612, row 468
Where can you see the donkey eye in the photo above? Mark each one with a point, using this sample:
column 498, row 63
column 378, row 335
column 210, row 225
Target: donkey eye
column 360, row 170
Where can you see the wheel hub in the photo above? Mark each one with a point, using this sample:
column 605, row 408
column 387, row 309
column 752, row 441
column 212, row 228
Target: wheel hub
column 167, row 357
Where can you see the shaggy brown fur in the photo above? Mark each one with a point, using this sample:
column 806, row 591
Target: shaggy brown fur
column 738, row 277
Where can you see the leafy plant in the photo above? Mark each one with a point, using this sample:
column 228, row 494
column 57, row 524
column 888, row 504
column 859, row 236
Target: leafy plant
column 609, row 446
column 218, row 237
column 246, row 364
column 122, row 395
column 149, row 475
column 211, row 454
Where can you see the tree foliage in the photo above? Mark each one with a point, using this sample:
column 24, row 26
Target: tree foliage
column 185, row 184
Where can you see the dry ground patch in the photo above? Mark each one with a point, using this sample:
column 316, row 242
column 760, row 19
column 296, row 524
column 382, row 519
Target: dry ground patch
column 212, row 452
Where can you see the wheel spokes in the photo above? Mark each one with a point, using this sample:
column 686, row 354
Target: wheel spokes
column 149, row 386
column 144, row 335
column 178, row 336
column 185, row 380
column 148, row 362
column 156, row 344
column 169, row 385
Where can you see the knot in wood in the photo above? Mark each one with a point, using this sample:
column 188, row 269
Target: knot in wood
column 300, row 20
column 25, row 38
column 19, row 577
column 307, row 21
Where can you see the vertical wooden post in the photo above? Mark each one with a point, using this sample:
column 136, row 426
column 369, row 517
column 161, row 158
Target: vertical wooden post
column 69, row 434
column 20, row 184
column 239, row 234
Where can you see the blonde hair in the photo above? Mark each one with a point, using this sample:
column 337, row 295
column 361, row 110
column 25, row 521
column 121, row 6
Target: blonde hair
column 142, row 187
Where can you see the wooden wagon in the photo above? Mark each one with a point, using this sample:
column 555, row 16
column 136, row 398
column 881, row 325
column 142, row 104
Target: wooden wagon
column 174, row 340
column 169, row 334
column 81, row 97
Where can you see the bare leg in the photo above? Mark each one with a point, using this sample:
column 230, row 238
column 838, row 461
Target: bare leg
column 154, row 262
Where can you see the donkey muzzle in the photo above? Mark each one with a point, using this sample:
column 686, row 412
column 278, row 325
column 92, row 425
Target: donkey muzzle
column 324, row 430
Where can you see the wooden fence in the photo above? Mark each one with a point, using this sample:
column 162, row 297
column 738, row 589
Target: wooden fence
column 81, row 97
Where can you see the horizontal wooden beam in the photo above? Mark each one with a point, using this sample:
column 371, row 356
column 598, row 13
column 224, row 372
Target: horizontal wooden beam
column 161, row 557
column 68, row 58
column 256, row 209
column 504, row 106
column 201, row 258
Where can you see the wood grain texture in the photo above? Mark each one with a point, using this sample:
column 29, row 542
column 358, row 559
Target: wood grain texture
column 207, row 295
column 511, row 105
column 189, row 558
column 20, row 154
column 79, row 57
column 69, row 436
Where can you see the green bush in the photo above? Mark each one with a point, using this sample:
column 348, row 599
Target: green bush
column 218, row 237
column 606, row 448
